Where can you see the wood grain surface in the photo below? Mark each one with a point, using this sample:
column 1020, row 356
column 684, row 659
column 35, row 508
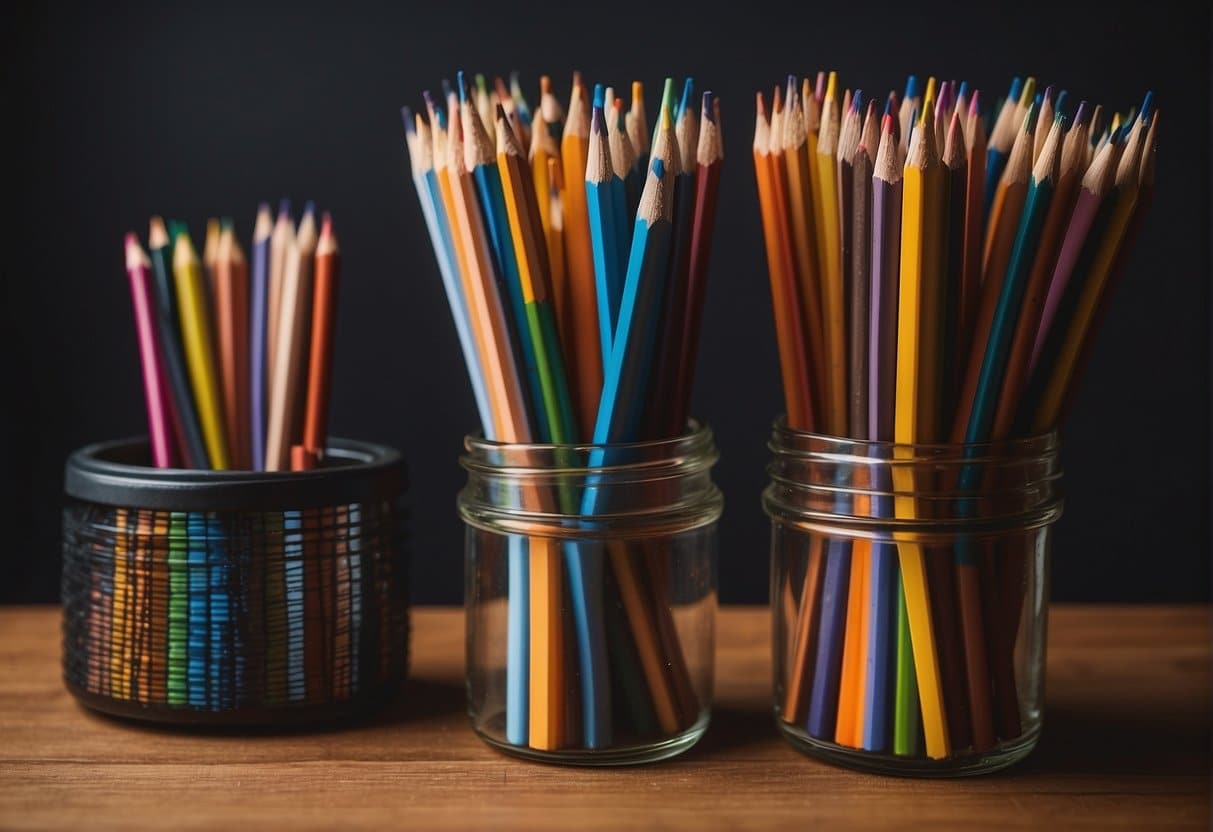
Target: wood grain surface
column 1126, row 746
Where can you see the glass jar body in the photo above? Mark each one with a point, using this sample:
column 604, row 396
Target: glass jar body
column 909, row 595
column 591, row 597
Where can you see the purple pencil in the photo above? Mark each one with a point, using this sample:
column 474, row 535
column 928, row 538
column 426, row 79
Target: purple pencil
column 861, row 269
column 882, row 363
column 259, row 333
column 1095, row 184
column 138, row 269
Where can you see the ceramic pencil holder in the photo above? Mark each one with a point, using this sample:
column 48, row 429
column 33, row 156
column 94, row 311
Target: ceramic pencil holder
column 234, row 598
column 910, row 596
column 591, row 597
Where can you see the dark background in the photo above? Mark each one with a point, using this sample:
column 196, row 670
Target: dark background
column 115, row 113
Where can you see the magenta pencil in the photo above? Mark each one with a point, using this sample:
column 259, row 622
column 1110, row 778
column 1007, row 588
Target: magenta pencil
column 138, row 269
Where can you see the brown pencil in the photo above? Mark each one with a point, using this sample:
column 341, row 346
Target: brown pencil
column 231, row 287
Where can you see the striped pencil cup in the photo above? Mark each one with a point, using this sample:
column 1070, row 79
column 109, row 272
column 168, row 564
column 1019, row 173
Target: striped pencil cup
column 910, row 592
column 234, row 598
column 591, row 597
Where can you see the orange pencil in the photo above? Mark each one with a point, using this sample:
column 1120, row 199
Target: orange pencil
column 320, row 366
column 579, row 262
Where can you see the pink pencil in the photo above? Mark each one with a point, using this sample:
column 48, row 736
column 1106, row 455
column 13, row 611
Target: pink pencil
column 138, row 268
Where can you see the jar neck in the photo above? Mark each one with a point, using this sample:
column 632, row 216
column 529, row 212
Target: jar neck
column 819, row 479
column 638, row 488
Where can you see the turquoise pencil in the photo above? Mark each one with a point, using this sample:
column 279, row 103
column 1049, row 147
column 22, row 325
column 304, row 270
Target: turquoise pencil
column 602, row 200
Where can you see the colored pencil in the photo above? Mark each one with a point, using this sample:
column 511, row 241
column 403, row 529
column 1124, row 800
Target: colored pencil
column 587, row 355
column 709, row 161
column 184, row 413
column 602, row 197
column 425, row 180
column 789, row 324
column 320, row 356
column 916, row 387
column 884, row 592
column 802, row 195
column 290, row 353
column 156, row 396
column 231, row 293
column 196, row 331
column 258, row 395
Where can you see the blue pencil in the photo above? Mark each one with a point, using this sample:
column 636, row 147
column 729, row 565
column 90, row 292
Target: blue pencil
column 601, row 200
column 882, row 358
column 425, row 180
column 624, row 398
column 827, row 665
column 259, row 334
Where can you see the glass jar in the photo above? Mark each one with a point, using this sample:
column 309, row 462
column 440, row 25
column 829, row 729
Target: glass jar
column 909, row 588
column 591, row 597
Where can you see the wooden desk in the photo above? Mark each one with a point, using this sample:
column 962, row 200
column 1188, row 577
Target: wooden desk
column 1126, row 746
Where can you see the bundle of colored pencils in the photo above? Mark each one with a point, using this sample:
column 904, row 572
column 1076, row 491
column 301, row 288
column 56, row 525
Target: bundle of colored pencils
column 569, row 320
column 237, row 366
column 930, row 285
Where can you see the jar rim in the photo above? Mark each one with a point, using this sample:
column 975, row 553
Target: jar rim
column 689, row 450
column 810, row 442
column 116, row 473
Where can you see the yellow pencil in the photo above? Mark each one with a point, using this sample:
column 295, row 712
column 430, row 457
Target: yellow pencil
column 199, row 350
column 833, row 305
column 921, row 283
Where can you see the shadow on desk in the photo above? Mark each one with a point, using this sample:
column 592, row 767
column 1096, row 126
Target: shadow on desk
column 418, row 700
column 1078, row 738
column 1120, row 739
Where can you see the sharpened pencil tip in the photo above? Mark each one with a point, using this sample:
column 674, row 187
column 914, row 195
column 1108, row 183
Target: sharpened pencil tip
column 707, row 107
column 1083, row 115
column 1147, row 106
column 599, row 95
column 688, row 92
column 406, row 115
column 911, row 88
column 667, row 100
column 463, row 87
